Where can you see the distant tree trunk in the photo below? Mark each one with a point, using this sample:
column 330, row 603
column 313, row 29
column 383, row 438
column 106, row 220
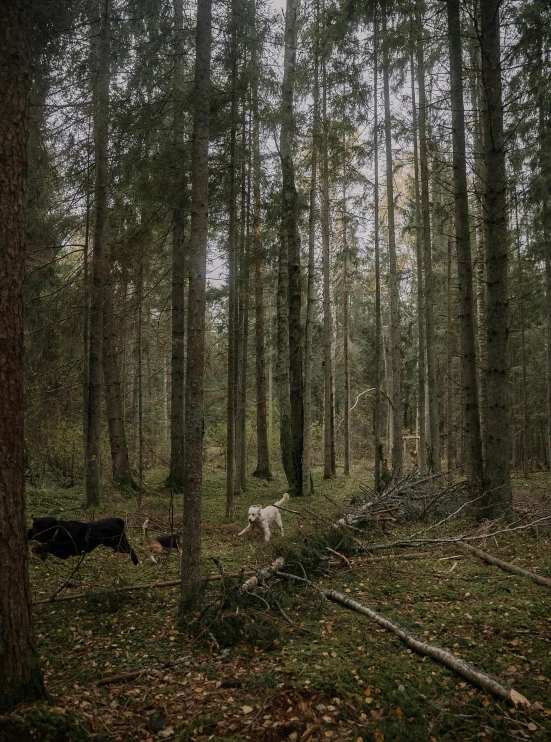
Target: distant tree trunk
column 176, row 476
column 311, row 301
column 346, row 331
column 100, row 104
column 122, row 474
column 433, row 452
column 449, row 360
column 232, row 300
column 20, row 679
column 194, row 401
column 290, row 216
column 395, row 341
column 472, row 441
column 139, row 377
column 497, row 464
column 329, row 469
column 263, row 455
column 377, row 445
column 421, row 380
column 86, row 296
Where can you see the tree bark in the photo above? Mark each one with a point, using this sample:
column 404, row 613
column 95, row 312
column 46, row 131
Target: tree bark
column 232, row 299
column 497, row 466
column 472, row 441
column 345, row 329
column 263, row 455
column 177, row 369
column 525, row 416
column 329, row 407
column 311, row 300
column 421, row 365
column 194, row 401
column 100, row 105
column 122, row 474
column 395, row 340
column 20, row 679
column 290, row 216
column 377, row 445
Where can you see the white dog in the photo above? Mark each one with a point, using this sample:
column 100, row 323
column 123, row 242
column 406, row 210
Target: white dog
column 260, row 517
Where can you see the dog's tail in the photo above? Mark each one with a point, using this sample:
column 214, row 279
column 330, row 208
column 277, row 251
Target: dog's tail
column 134, row 558
column 283, row 500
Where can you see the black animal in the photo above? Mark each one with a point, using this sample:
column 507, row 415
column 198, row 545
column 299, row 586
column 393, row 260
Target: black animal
column 67, row 538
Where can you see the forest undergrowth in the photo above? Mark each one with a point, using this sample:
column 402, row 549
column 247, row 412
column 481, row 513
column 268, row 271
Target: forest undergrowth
column 329, row 674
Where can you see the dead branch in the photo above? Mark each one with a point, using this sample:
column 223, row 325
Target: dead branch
column 459, row 666
column 337, row 553
column 505, row 566
column 264, row 574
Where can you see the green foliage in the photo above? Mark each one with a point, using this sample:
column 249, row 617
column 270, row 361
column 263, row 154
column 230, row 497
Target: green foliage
column 43, row 724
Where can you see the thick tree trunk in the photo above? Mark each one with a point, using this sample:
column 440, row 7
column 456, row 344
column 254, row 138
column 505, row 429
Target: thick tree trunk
column 177, row 371
column 290, row 216
column 122, row 474
column 433, row 448
column 263, row 455
column 100, row 104
column 497, row 465
column 421, row 365
column 232, row 299
column 395, row 340
column 20, row 678
column 329, row 408
column 194, row 401
column 311, row 300
column 378, row 329
column 472, row 441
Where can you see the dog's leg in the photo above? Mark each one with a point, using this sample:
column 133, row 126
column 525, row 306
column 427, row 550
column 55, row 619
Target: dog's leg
column 279, row 522
column 267, row 532
column 153, row 559
column 245, row 530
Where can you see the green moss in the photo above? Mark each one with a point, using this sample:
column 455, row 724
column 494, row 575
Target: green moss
column 44, row 725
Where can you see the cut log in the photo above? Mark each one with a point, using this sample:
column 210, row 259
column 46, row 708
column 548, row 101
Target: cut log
column 459, row 666
column 505, row 566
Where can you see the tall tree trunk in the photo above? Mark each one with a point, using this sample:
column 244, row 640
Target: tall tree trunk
column 421, row 366
column 290, row 216
column 497, row 465
column 100, row 104
column 480, row 272
column 139, row 377
column 395, row 341
column 86, row 295
column 329, row 407
column 232, row 300
column 345, row 330
column 263, row 455
column 433, row 449
column 20, row 679
column 472, row 441
column 195, row 371
column 377, row 445
column 177, row 371
column 122, row 474
column 311, row 300
column 525, row 418
column 449, row 359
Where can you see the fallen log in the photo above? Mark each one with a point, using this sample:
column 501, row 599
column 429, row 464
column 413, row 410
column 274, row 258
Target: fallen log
column 130, row 588
column 459, row 666
column 505, row 566
column 263, row 575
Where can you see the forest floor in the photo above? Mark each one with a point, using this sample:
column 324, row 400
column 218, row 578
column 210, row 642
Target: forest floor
column 344, row 678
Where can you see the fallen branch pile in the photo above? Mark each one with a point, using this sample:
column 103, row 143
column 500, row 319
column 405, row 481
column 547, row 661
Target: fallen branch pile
column 410, row 497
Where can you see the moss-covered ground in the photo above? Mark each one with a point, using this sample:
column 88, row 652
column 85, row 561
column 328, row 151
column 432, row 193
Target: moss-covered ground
column 333, row 676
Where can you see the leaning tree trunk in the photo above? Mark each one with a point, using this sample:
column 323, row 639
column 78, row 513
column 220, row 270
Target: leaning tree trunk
column 177, row 370
column 329, row 408
column 122, row 474
column 20, row 679
column 194, row 402
column 472, row 441
column 232, row 300
column 290, row 217
column 421, row 366
column 395, row 341
column 433, row 449
column 263, row 454
column 378, row 329
column 100, row 104
column 497, row 465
